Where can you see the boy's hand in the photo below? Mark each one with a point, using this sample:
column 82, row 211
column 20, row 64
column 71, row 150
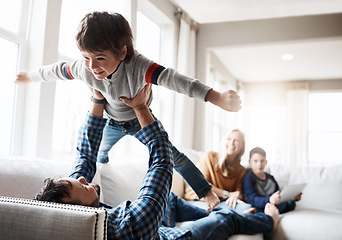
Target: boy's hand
column 298, row 197
column 23, row 77
column 275, row 198
column 229, row 100
column 139, row 101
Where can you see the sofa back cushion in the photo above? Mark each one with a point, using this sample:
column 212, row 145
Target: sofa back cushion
column 323, row 184
column 30, row 219
column 121, row 178
column 23, row 177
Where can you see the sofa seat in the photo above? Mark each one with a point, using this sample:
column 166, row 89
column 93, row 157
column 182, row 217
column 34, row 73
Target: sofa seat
column 310, row 224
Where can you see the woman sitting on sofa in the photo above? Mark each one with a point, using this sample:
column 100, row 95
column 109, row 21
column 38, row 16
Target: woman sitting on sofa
column 224, row 171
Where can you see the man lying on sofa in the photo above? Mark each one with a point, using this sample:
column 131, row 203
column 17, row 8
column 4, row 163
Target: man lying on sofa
column 143, row 218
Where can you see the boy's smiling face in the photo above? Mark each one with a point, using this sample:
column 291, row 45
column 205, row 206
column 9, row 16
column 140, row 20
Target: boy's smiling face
column 102, row 64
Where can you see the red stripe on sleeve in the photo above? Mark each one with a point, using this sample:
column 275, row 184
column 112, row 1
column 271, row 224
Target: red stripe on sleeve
column 149, row 73
column 69, row 72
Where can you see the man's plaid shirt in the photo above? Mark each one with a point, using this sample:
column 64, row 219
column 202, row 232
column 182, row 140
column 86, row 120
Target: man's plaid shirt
column 140, row 219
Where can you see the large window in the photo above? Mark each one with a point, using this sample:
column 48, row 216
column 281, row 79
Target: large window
column 13, row 24
column 9, row 51
column 265, row 129
column 325, row 128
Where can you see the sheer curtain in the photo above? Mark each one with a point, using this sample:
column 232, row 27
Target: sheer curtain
column 184, row 116
column 297, row 124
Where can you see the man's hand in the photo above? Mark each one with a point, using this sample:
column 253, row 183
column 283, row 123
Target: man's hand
column 96, row 109
column 229, row 100
column 23, row 77
column 96, row 94
column 139, row 101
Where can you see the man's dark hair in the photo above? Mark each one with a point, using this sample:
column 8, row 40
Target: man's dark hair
column 54, row 190
column 257, row 150
column 101, row 31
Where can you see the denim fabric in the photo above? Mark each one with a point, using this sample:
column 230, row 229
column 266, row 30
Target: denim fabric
column 240, row 207
column 112, row 133
column 287, row 206
column 115, row 130
column 283, row 207
column 219, row 224
column 179, row 210
column 225, row 222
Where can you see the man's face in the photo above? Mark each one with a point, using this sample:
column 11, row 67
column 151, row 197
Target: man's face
column 101, row 64
column 81, row 192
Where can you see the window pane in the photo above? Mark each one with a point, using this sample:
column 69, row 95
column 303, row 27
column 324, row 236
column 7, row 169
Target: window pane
column 70, row 18
column 9, row 63
column 11, row 10
column 324, row 113
column 148, row 37
column 148, row 44
column 71, row 106
column 266, row 130
column 325, row 128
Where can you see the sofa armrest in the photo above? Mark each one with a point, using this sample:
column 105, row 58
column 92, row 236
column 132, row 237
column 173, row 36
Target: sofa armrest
column 31, row 219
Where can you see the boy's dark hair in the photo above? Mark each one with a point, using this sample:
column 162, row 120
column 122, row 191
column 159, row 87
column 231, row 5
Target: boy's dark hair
column 53, row 191
column 100, row 31
column 257, row 150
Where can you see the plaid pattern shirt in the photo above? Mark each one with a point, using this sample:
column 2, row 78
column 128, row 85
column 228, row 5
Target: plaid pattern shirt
column 140, row 219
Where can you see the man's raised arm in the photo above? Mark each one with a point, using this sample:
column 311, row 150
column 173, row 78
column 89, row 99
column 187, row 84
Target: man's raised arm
column 89, row 139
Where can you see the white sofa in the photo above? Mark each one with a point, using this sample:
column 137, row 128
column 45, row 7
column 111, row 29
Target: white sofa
column 317, row 216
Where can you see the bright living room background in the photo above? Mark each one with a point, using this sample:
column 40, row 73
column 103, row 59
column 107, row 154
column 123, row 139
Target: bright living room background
column 31, row 127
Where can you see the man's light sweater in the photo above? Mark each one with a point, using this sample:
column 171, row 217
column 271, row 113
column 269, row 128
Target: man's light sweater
column 127, row 80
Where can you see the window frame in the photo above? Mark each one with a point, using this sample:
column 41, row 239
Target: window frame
column 20, row 38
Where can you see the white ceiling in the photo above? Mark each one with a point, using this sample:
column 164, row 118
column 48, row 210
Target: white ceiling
column 313, row 60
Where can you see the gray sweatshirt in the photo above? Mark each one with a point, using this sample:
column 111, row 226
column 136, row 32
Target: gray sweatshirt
column 128, row 79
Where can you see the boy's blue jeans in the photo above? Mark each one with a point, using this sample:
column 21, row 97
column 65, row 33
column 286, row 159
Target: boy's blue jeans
column 283, row 207
column 215, row 225
column 115, row 130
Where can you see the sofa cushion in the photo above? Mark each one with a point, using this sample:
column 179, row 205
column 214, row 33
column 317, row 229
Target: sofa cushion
column 121, row 181
column 23, row 177
column 323, row 184
column 308, row 224
column 30, row 219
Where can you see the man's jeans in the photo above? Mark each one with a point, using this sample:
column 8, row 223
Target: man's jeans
column 224, row 223
column 218, row 224
column 115, row 130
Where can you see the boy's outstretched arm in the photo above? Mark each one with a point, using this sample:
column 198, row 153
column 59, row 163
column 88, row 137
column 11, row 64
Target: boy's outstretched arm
column 228, row 100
